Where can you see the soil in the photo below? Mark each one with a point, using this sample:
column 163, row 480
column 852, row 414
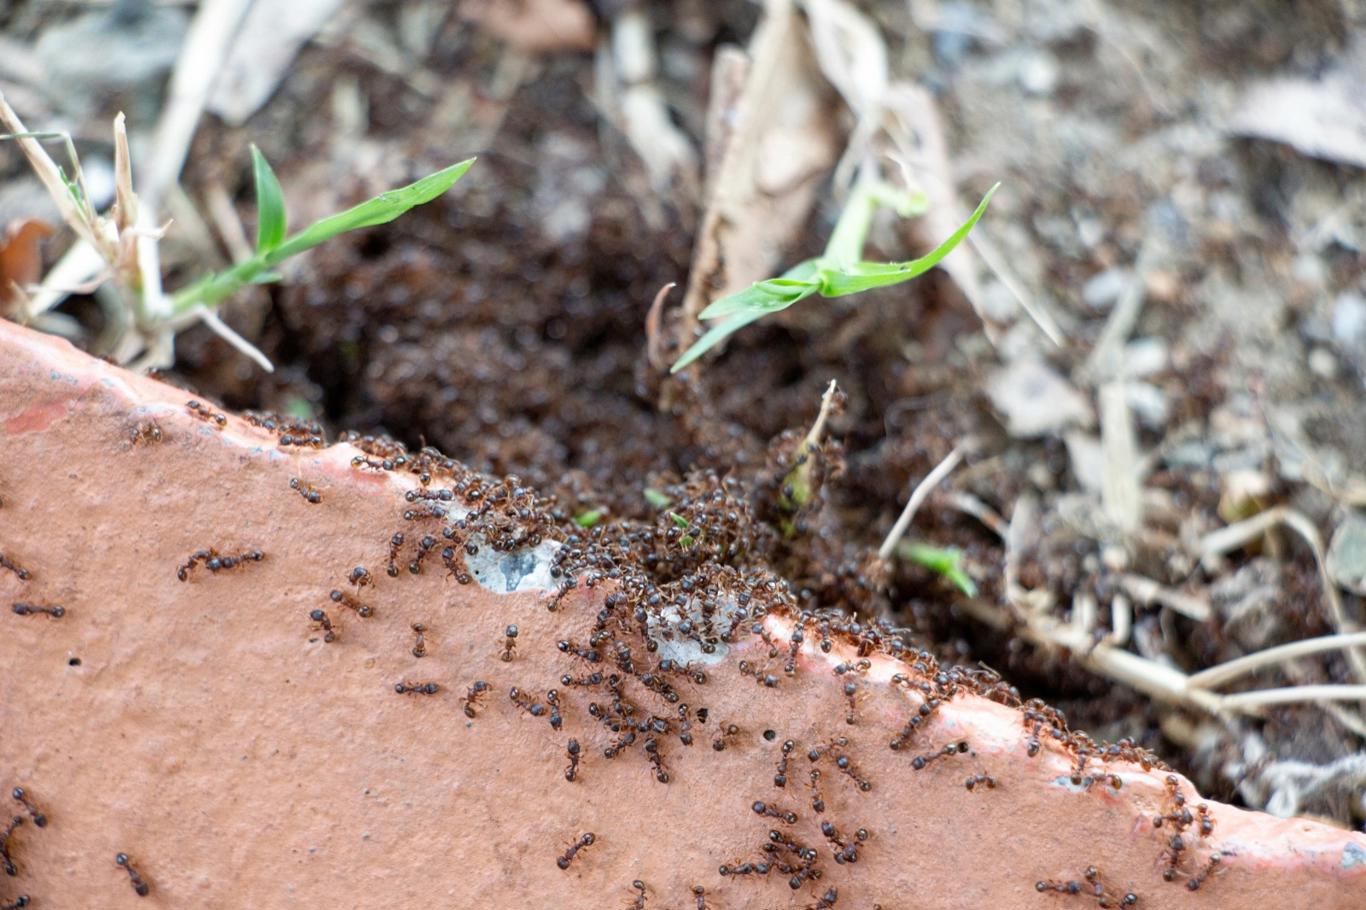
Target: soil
column 505, row 326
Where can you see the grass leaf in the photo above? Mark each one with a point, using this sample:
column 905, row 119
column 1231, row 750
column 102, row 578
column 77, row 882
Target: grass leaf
column 589, row 518
column 862, row 276
column 656, row 498
column 768, row 296
column 270, row 204
column 946, row 561
column 830, row 276
column 380, row 210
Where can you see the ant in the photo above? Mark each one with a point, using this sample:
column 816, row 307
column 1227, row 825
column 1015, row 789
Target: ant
column 509, row 644
column 395, row 544
column 15, row 822
column 307, row 491
column 762, row 808
column 764, row 679
column 140, row 886
column 1214, row 860
column 922, row 716
column 146, row 431
column 27, row 609
column 325, row 624
column 215, row 562
column 700, row 894
column 920, row 761
column 586, row 840
column 985, row 780
column 17, row 569
column 524, row 701
column 346, row 600
column 360, row 577
column 420, row 647
column 206, row 414
column 817, row 800
column 552, row 698
column 39, row 819
column 826, row 901
column 20, row 901
column 571, row 773
column 472, row 696
column 412, row 688
column 1098, row 890
column 727, row 731
column 638, row 902
column 780, row 778
column 656, row 760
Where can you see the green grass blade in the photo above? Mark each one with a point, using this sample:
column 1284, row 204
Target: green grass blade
column 715, row 335
column 768, row 296
column 270, row 204
column 589, row 518
column 946, row 561
column 380, row 210
column 863, row 276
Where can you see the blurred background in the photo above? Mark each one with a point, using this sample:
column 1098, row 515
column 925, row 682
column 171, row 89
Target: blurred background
column 1155, row 340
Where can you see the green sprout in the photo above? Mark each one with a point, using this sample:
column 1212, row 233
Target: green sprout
column 945, row 561
column 837, row 272
column 682, row 523
column 589, row 518
column 657, row 499
column 273, row 247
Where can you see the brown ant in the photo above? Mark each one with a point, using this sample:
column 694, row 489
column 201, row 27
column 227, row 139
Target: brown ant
column 472, row 696
column 826, row 900
column 793, row 648
column 140, row 886
column 146, row 431
column 15, row 822
column 573, row 849
column 764, row 679
column 1175, row 846
column 920, row 761
column 817, row 799
column 982, row 780
column 780, row 777
column 324, row 624
column 39, row 819
column 656, row 760
column 509, row 643
column 921, row 717
column 1213, row 863
column 571, row 773
column 216, row 562
column 524, row 701
column 762, row 808
column 727, row 731
column 552, row 698
column 307, row 491
column 420, row 647
column 28, row 609
column 206, row 414
column 412, row 688
column 1097, row 889
column 17, row 569
column 346, row 600
column 638, row 902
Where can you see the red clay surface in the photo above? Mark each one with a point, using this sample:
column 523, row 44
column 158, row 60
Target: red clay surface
column 206, row 729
